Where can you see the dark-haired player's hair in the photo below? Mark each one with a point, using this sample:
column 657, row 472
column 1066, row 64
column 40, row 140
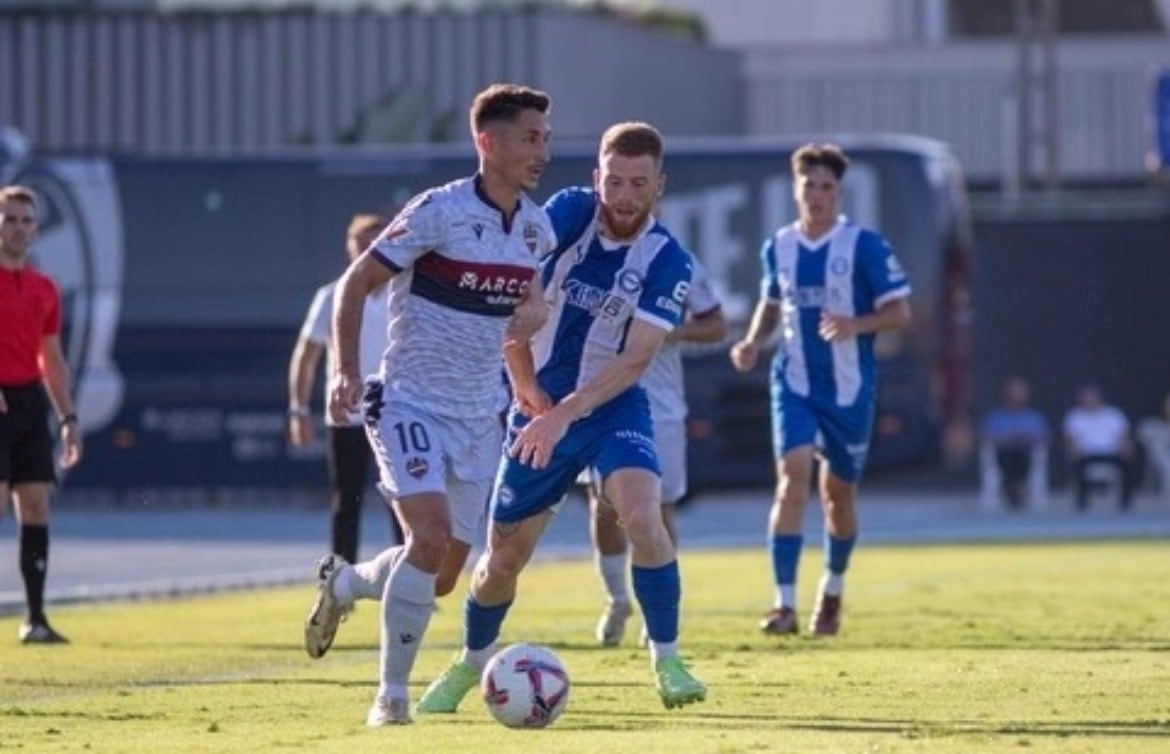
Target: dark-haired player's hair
column 826, row 155
column 505, row 102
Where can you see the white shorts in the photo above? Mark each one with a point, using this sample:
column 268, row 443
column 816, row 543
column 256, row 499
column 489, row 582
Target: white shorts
column 417, row 451
column 670, row 443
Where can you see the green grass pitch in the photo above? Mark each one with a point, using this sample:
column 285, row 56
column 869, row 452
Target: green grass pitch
column 1059, row 647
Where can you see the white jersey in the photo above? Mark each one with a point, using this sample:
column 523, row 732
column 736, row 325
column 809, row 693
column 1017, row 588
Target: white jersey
column 1097, row 431
column 663, row 379
column 460, row 272
column 318, row 329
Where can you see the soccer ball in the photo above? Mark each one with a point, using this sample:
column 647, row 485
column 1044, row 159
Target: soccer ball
column 525, row 686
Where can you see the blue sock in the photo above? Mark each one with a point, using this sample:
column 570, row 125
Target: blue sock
column 785, row 557
column 837, row 552
column 659, row 591
column 481, row 625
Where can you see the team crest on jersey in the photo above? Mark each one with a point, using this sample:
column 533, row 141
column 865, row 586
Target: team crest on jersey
column 417, row 467
column 839, row 266
column 531, row 236
column 629, row 281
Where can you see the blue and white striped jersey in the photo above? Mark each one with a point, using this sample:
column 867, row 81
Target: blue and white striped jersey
column 596, row 288
column 850, row 271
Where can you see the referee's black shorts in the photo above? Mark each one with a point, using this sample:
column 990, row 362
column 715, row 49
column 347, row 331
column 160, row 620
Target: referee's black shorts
column 26, row 443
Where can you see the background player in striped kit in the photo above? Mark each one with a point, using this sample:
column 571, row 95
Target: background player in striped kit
column 831, row 286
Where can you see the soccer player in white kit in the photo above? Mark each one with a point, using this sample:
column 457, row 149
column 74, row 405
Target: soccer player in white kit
column 663, row 382
column 460, row 260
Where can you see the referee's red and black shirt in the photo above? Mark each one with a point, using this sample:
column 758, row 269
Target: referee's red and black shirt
column 30, row 309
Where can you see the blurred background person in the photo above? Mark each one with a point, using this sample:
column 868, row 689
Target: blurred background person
column 1097, row 438
column 348, row 454
column 1014, row 449
column 1154, row 434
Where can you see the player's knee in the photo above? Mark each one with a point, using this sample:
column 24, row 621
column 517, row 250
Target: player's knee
column 792, row 491
column 445, row 583
column 504, row 565
column 643, row 523
column 838, row 506
column 428, row 541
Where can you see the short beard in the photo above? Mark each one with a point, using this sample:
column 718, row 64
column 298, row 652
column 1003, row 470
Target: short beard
column 611, row 229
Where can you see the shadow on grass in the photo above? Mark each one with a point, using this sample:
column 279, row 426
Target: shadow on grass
column 581, row 718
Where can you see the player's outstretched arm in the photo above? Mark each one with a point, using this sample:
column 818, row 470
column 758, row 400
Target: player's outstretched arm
column 535, row 442
column 530, row 315
column 364, row 275
column 642, row 342
column 59, row 386
column 531, row 399
column 765, row 320
column 708, row 327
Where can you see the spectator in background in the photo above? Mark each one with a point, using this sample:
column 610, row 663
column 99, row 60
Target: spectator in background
column 1154, row 433
column 348, row 452
column 33, row 376
column 1096, row 437
column 1016, row 436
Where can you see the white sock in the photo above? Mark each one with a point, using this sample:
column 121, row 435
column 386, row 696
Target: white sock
column 833, row 584
column 479, row 657
column 407, row 606
column 367, row 580
column 658, row 650
column 612, row 569
column 786, row 596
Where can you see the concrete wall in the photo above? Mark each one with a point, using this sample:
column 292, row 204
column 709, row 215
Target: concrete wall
column 963, row 93
column 199, row 84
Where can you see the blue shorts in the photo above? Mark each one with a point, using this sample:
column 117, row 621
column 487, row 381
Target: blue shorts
column 616, row 436
column 840, row 433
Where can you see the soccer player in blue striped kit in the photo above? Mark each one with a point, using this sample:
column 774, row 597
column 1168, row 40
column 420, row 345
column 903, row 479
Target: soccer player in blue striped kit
column 831, row 285
column 616, row 283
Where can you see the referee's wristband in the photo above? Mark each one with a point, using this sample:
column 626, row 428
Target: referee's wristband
column 299, row 411
column 67, row 419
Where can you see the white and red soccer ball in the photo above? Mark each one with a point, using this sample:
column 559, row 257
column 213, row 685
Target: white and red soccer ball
column 525, row 686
